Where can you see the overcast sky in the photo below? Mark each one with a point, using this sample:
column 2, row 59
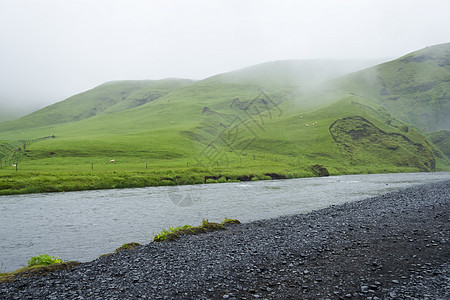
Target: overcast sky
column 52, row 49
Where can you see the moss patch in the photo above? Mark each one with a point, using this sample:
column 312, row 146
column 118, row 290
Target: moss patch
column 128, row 246
column 36, row 271
column 172, row 234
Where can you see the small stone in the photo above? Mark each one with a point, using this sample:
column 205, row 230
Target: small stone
column 395, row 281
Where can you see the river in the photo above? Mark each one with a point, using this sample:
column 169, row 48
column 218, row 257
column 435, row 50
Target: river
column 83, row 225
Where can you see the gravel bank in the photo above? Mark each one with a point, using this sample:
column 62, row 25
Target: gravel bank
column 392, row 246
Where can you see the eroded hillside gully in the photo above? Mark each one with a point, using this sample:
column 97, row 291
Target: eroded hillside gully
column 392, row 246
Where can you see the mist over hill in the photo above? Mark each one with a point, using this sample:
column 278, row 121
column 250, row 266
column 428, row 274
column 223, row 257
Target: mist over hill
column 286, row 72
column 415, row 87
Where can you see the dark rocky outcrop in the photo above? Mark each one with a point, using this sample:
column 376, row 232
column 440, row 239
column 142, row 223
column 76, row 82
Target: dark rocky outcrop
column 245, row 177
column 213, row 177
column 208, row 111
column 275, row 175
column 320, row 170
column 362, row 141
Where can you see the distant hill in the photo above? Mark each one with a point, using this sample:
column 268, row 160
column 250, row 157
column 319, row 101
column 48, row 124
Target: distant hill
column 296, row 73
column 109, row 97
column 118, row 96
column 8, row 113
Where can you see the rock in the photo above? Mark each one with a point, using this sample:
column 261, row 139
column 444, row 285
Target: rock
column 275, row 175
column 208, row 111
column 320, row 170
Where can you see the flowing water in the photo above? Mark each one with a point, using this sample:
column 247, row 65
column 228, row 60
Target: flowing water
column 83, row 225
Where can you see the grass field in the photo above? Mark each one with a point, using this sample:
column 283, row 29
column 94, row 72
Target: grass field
column 239, row 126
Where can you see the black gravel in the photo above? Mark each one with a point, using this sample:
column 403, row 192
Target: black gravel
column 394, row 246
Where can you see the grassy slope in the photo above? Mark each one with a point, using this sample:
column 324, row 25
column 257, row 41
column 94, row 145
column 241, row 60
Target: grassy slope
column 177, row 131
column 107, row 98
column 414, row 88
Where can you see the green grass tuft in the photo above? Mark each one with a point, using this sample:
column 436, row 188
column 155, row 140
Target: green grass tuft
column 36, row 270
column 127, row 246
column 172, row 234
column 43, row 260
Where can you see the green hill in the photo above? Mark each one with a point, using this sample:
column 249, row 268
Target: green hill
column 110, row 97
column 415, row 87
column 275, row 120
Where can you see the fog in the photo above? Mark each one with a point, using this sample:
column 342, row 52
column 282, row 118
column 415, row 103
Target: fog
column 52, row 49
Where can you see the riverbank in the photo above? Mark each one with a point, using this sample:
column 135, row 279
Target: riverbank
column 14, row 182
column 391, row 246
column 31, row 182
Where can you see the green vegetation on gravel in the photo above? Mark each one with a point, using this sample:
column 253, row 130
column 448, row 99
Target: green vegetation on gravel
column 128, row 246
column 36, row 270
column 43, row 260
column 172, row 234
